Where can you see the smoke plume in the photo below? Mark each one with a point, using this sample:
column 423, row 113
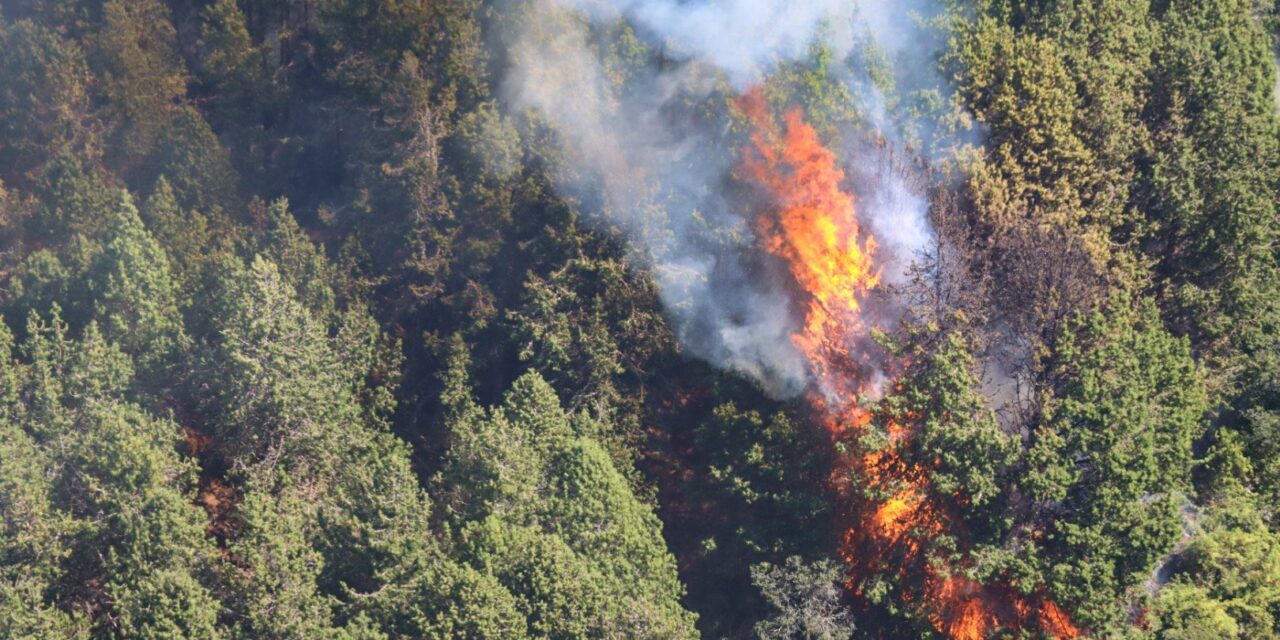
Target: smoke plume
column 742, row 38
column 644, row 156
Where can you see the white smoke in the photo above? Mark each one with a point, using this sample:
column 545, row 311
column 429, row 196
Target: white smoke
column 655, row 169
column 742, row 38
column 897, row 215
column 657, row 185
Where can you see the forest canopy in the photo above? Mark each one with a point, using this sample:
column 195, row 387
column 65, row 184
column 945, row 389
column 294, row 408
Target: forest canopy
column 374, row 319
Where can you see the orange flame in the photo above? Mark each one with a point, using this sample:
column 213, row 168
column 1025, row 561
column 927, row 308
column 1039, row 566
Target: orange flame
column 815, row 231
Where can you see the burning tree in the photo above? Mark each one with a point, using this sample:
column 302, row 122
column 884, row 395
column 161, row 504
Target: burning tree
column 903, row 492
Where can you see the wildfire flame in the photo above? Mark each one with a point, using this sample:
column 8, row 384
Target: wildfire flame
column 814, row 229
column 816, row 232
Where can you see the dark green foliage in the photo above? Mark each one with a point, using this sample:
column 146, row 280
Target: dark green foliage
column 43, row 97
column 187, row 236
column 1214, row 187
column 188, row 153
column 964, row 465
column 102, row 501
column 231, row 66
column 142, row 74
column 592, row 329
column 75, row 199
column 765, row 470
column 1113, row 468
column 527, row 471
column 971, row 455
column 302, row 339
column 1167, row 99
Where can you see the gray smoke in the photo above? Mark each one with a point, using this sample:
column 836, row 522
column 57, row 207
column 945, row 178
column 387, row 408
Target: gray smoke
column 649, row 163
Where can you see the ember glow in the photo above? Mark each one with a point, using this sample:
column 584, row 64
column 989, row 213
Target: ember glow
column 889, row 510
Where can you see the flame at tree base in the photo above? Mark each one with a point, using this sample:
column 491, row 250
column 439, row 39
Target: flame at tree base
column 814, row 230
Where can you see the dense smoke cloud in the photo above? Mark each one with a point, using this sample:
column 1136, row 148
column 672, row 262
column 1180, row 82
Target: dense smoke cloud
column 658, row 175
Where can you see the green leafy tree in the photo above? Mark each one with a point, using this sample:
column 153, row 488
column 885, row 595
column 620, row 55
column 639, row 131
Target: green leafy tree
column 956, row 430
column 1037, row 166
column 276, row 385
column 76, row 200
column 32, row 542
column 1098, row 50
column 275, row 595
column 943, row 456
column 231, row 66
column 1222, row 581
column 525, row 464
column 110, row 528
column 142, row 74
column 759, row 466
column 189, row 154
column 1113, row 456
column 302, row 264
column 568, row 329
column 1212, row 191
column 135, row 296
column 558, row 593
column 187, row 237
column 337, row 531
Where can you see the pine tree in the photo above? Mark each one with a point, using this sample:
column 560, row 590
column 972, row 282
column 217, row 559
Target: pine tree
column 135, row 296
column 45, row 98
column 185, row 235
column 142, row 74
column 1116, row 470
column 1212, row 191
column 108, row 535
column 524, row 472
